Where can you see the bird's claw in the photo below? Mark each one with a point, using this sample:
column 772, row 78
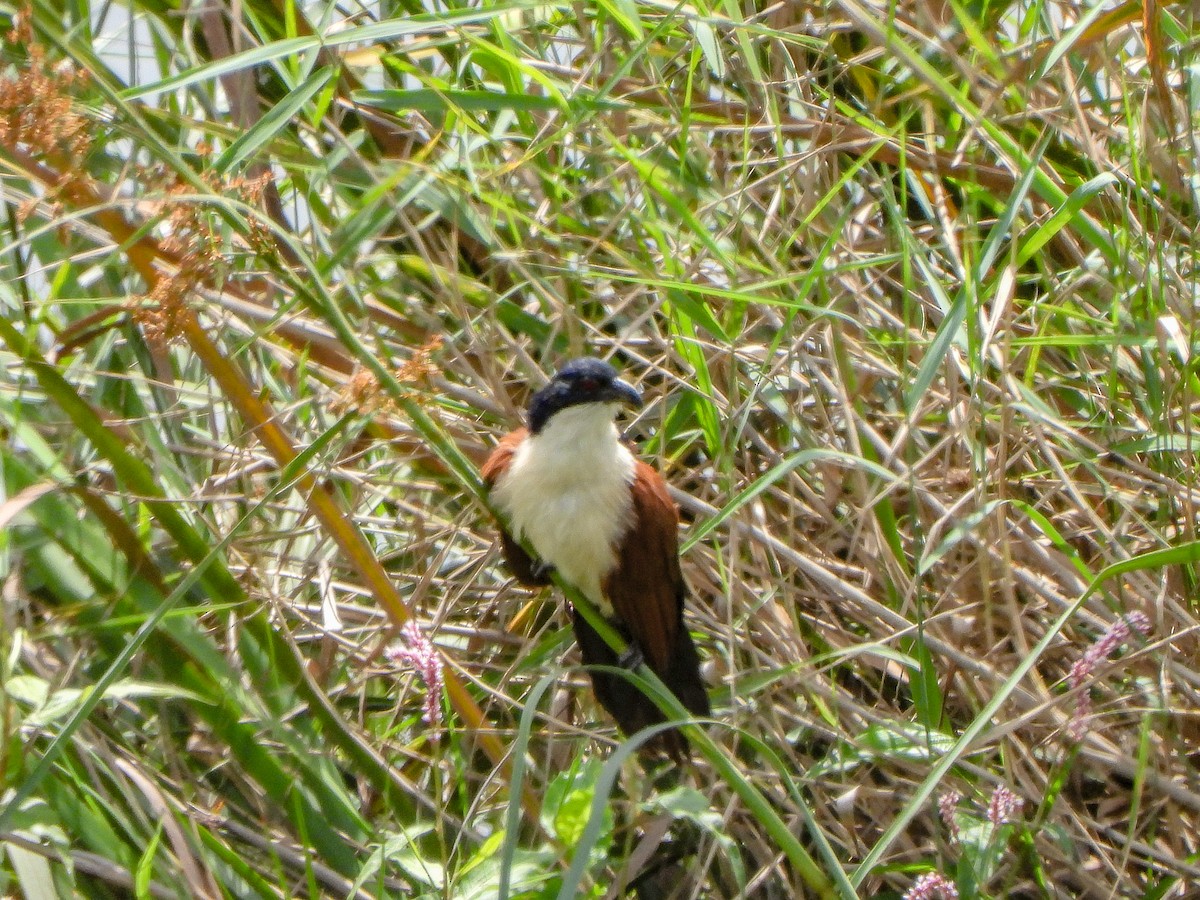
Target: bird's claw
column 541, row 570
column 632, row 657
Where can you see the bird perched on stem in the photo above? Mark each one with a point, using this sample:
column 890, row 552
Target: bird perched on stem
column 571, row 490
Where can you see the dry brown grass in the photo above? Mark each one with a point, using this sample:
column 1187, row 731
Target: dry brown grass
column 825, row 266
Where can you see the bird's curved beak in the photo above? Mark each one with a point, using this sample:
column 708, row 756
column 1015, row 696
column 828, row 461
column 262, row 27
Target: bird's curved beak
column 622, row 392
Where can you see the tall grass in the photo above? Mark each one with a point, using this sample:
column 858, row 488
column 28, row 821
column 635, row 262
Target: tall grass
column 911, row 290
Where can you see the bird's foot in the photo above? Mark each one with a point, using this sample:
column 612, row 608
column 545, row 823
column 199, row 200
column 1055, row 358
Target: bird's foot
column 541, row 570
column 632, row 657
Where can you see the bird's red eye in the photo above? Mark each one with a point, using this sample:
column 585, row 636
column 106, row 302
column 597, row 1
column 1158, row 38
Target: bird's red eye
column 588, row 384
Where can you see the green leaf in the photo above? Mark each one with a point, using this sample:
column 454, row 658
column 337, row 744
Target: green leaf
column 706, row 37
column 961, row 530
column 571, row 816
column 568, row 802
column 33, row 872
column 277, row 118
column 1063, row 215
column 690, row 804
column 926, row 687
column 145, row 867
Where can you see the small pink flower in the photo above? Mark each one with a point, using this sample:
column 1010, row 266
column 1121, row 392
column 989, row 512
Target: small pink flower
column 1005, row 806
column 1077, row 727
column 1085, row 667
column 932, row 885
column 418, row 653
column 947, row 804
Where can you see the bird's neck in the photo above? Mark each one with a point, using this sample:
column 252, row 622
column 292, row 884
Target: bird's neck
column 567, row 492
column 576, row 442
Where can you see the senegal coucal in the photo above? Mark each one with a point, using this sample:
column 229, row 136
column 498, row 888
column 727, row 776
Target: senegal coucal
column 570, row 489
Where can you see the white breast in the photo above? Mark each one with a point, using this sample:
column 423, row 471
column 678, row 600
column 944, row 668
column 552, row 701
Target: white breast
column 566, row 492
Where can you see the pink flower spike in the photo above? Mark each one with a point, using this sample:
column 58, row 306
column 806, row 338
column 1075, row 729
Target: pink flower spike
column 1085, row 667
column 1005, row 806
column 932, row 885
column 1077, row 727
column 1139, row 622
column 417, row 652
column 947, row 803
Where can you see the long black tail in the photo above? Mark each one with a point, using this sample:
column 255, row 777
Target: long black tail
column 632, row 709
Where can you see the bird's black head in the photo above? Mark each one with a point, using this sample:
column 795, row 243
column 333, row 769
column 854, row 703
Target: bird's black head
column 580, row 381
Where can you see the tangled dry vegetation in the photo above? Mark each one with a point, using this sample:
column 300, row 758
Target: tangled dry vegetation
column 911, row 292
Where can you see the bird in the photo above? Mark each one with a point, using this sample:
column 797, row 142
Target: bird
column 571, row 489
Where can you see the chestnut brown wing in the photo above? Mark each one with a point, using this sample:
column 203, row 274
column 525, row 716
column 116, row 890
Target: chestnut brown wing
column 500, row 458
column 646, row 588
